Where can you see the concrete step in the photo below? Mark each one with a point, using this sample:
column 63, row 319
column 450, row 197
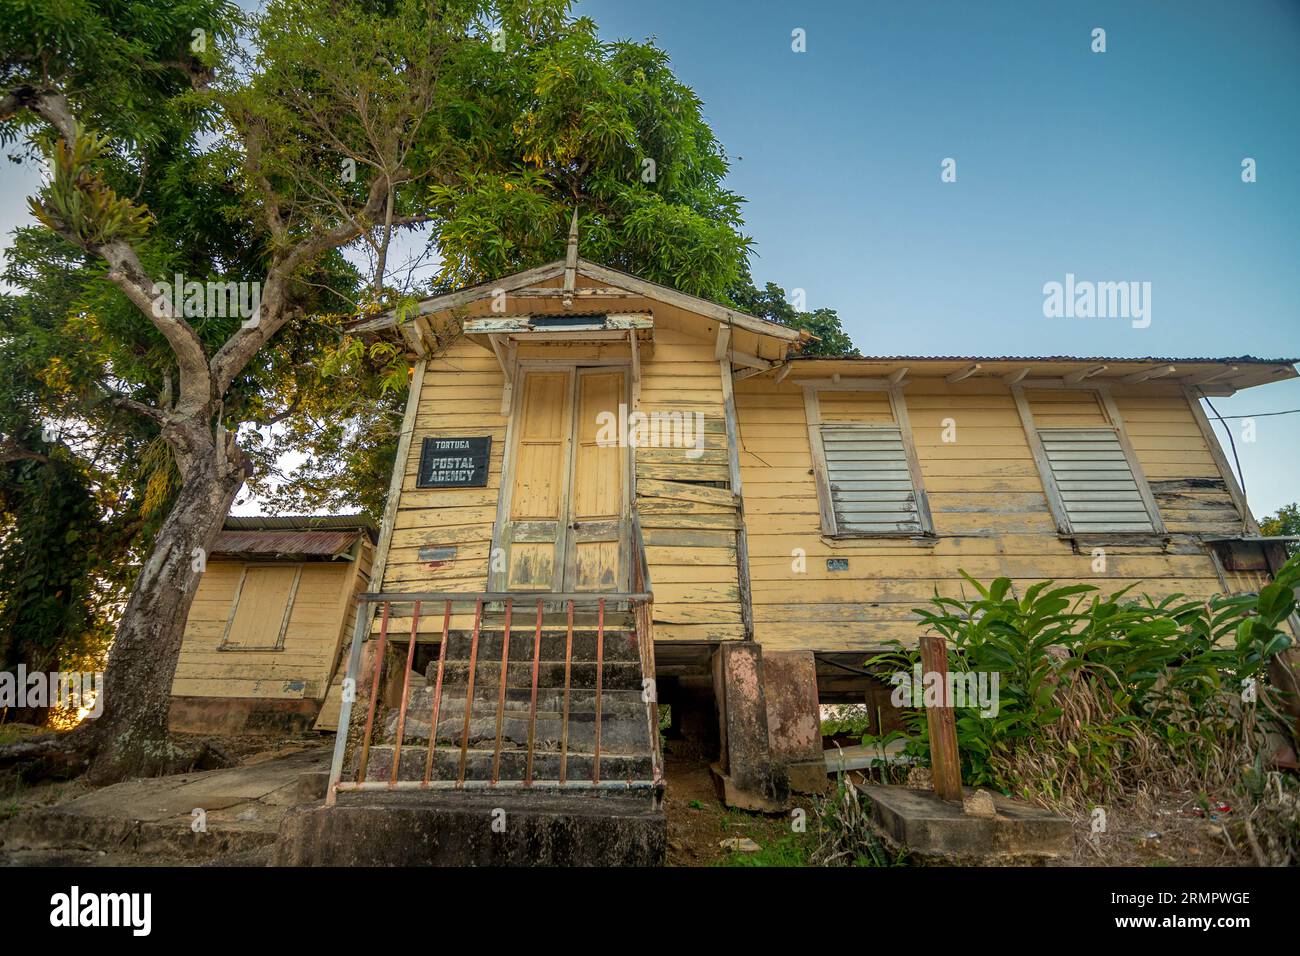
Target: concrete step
column 618, row 646
column 478, row 765
column 462, row 828
column 613, row 701
column 626, row 734
column 615, row 675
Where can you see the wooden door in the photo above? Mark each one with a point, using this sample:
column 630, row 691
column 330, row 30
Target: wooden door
column 567, row 517
column 598, row 519
column 534, row 533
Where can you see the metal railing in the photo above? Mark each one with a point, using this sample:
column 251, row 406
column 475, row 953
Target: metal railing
column 513, row 607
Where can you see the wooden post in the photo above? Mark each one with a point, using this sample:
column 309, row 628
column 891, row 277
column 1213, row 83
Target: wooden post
column 945, row 763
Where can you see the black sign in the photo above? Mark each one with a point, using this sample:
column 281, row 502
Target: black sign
column 454, row 463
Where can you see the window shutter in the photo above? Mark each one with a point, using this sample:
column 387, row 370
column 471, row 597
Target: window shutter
column 870, row 483
column 262, row 607
column 1096, row 485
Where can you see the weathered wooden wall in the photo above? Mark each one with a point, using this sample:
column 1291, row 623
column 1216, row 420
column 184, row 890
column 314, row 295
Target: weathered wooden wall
column 689, row 523
column 320, row 616
column 688, row 513
column 461, row 397
column 990, row 513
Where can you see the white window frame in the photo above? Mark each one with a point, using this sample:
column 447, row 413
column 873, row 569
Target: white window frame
column 825, row 500
column 1116, row 421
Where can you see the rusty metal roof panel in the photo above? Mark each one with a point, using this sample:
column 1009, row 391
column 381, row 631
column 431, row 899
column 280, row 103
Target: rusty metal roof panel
column 270, row 544
column 292, row 536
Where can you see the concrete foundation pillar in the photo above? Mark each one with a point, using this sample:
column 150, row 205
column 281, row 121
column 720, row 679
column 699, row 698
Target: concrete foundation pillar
column 794, row 718
column 746, row 773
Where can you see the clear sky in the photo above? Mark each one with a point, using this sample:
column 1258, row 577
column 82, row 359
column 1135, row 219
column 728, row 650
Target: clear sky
column 1115, row 166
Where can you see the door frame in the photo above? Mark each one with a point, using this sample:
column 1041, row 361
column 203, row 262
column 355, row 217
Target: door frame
column 498, row 580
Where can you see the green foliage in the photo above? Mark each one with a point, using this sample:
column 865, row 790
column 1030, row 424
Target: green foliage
column 846, row 835
column 771, row 303
column 1285, row 522
column 116, row 61
column 80, row 203
column 1095, row 692
column 852, row 719
column 790, row 850
column 559, row 120
column 51, row 541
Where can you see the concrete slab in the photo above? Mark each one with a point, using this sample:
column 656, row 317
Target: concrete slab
column 474, row 829
column 242, row 807
column 932, row 828
column 862, row 756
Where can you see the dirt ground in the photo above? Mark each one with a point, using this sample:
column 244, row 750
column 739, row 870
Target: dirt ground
column 1160, row 830
column 698, row 823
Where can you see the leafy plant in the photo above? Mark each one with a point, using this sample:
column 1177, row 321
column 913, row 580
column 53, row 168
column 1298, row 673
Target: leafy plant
column 1097, row 693
column 846, row 834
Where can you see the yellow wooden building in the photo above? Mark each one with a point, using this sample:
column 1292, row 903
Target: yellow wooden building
column 574, row 430
column 264, row 637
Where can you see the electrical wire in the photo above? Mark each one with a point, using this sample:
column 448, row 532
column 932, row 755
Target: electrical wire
column 1241, row 475
column 1289, row 411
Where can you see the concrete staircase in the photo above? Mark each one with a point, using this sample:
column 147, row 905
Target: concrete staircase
column 588, row 711
column 548, row 758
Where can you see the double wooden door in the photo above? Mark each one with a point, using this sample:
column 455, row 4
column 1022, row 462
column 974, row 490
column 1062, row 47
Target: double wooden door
column 567, row 517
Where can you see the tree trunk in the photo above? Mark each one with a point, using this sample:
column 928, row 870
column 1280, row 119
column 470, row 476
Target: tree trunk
column 130, row 738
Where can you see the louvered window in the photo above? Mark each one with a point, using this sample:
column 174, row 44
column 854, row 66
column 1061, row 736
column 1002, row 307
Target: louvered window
column 1093, row 479
column 867, row 473
column 1096, row 485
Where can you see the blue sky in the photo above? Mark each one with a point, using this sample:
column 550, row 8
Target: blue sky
column 1115, row 166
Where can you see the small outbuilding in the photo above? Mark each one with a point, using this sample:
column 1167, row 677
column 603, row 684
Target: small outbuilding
column 263, row 640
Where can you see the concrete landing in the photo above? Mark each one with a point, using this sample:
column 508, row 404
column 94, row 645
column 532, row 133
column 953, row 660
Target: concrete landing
column 241, row 810
column 932, row 828
column 457, row 829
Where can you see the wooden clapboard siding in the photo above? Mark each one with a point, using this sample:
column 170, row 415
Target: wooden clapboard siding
column 686, row 523
column 320, row 616
column 1191, row 490
column 461, row 396
column 688, row 514
column 988, row 503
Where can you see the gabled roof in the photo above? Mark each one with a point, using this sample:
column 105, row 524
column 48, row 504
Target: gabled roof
column 613, row 277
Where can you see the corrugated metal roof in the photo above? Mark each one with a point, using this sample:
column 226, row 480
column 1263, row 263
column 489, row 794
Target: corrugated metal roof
column 1164, row 360
column 299, row 523
column 315, row 544
column 306, row 536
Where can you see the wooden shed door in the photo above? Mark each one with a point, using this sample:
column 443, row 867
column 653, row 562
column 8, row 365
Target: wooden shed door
column 567, row 514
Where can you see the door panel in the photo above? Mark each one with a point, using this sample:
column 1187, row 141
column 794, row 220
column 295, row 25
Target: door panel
column 597, row 500
column 533, row 537
column 568, row 519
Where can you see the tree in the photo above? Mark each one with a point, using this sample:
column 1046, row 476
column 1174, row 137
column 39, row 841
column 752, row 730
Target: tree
column 565, row 122
column 1285, row 522
column 771, row 303
column 329, row 127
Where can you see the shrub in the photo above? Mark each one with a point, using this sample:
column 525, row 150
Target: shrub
column 1101, row 693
